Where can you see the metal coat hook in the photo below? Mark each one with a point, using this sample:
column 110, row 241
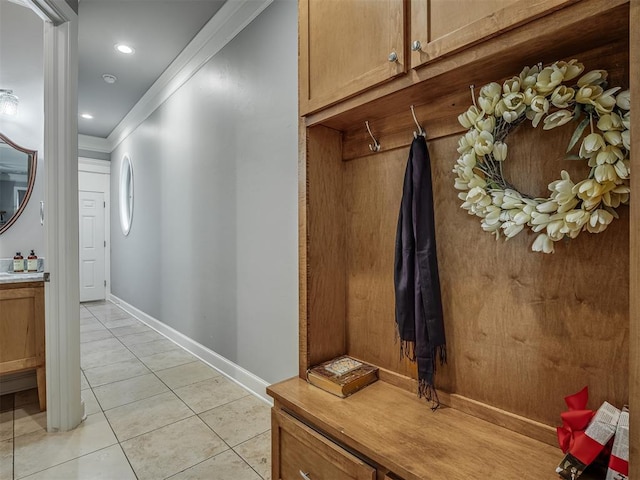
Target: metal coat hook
column 376, row 146
column 420, row 131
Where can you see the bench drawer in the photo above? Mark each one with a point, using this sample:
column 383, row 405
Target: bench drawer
column 301, row 453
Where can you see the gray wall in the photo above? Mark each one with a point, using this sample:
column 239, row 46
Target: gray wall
column 21, row 70
column 212, row 250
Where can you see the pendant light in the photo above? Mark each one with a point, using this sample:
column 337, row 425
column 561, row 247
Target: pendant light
column 8, row 102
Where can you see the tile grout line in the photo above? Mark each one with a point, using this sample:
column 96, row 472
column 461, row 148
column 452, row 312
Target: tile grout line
column 111, row 304
column 170, row 389
column 198, row 414
column 229, row 447
column 116, row 437
column 66, row 461
column 107, row 418
column 243, row 459
column 13, row 473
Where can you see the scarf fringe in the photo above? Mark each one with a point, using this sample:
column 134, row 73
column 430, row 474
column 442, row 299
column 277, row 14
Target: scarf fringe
column 408, row 350
column 440, row 353
column 429, row 393
column 425, row 390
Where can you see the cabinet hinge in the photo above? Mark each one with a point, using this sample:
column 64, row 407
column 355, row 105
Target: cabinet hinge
column 105, row 283
column 104, row 204
column 105, row 243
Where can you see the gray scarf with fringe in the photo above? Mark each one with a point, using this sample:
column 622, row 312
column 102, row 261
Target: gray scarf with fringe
column 419, row 319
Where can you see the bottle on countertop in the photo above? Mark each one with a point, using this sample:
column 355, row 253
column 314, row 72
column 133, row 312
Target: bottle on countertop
column 32, row 262
column 18, row 263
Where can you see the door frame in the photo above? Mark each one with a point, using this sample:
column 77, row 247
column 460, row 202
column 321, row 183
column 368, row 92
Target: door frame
column 62, row 306
column 102, row 167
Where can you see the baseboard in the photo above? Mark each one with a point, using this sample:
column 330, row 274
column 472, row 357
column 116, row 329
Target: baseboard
column 17, row 382
column 503, row 418
column 232, row 371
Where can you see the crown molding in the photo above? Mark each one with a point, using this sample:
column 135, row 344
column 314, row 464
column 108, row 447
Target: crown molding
column 230, row 20
column 54, row 11
column 94, row 144
column 93, row 165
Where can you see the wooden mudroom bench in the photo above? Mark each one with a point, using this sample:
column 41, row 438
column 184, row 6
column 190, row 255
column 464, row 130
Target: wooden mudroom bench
column 386, row 430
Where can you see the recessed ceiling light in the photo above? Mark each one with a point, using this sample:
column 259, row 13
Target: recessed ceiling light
column 126, row 49
column 107, row 77
column 88, row 116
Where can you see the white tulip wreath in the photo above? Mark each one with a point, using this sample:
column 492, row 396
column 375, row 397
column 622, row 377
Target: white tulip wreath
column 546, row 94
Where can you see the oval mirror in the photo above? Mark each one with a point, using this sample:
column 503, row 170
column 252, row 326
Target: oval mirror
column 17, row 176
column 126, row 194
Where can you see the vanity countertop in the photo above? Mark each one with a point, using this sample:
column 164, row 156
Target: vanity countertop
column 10, row 277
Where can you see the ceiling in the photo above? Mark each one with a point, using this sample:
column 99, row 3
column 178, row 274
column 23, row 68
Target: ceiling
column 158, row 30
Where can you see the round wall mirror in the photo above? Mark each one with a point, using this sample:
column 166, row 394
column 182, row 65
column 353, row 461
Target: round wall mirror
column 17, row 176
column 126, row 194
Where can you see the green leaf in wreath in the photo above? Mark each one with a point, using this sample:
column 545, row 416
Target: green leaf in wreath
column 573, row 157
column 612, row 211
column 578, row 133
column 577, row 111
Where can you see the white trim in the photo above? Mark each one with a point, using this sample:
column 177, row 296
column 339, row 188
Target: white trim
column 94, row 144
column 93, row 165
column 233, row 372
column 62, row 312
column 53, row 11
column 232, row 17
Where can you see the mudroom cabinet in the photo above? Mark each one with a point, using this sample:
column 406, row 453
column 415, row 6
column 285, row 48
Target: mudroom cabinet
column 349, row 47
column 523, row 329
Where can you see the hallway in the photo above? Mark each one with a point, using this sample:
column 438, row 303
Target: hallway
column 154, row 411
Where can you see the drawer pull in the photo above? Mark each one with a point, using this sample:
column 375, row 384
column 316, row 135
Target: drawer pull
column 305, row 475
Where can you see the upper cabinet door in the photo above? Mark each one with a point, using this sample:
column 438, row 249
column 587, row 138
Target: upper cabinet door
column 347, row 46
column 441, row 27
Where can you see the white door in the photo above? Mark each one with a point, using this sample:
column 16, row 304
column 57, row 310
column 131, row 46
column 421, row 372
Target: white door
column 92, row 246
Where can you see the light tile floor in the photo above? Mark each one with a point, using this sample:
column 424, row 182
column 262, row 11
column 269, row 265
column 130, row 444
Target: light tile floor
column 154, row 412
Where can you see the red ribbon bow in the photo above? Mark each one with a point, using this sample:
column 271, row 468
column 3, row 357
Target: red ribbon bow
column 575, row 421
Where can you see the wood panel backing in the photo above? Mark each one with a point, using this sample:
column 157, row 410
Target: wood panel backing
column 634, row 287
column 524, row 329
column 373, row 188
column 322, row 308
column 303, row 276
